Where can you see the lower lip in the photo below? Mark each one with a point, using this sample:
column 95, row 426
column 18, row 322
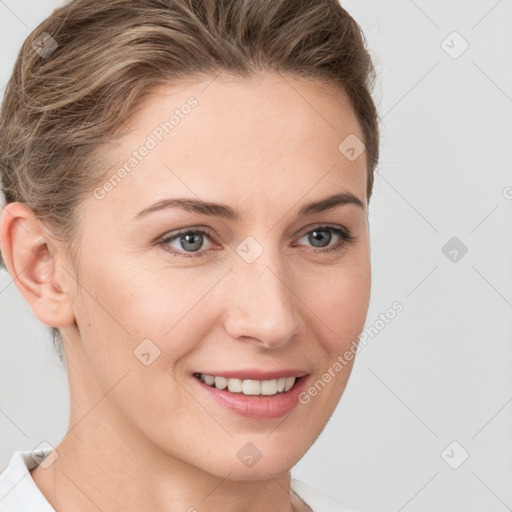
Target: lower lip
column 257, row 406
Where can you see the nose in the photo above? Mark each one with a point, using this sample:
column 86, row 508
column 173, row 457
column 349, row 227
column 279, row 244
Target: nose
column 262, row 306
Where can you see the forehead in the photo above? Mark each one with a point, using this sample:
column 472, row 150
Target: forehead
column 270, row 133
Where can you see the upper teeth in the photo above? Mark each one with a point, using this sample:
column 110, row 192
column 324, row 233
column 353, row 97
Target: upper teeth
column 249, row 386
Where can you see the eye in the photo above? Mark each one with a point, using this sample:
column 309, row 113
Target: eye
column 321, row 236
column 189, row 242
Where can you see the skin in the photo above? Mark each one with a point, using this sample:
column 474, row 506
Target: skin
column 143, row 434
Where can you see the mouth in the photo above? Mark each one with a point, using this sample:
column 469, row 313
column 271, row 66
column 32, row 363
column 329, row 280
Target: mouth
column 272, row 395
column 252, row 387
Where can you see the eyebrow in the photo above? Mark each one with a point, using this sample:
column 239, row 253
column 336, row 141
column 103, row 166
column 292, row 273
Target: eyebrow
column 224, row 211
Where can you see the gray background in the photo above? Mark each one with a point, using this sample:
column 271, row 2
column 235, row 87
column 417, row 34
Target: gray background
column 440, row 371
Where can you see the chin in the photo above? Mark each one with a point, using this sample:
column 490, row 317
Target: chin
column 272, row 462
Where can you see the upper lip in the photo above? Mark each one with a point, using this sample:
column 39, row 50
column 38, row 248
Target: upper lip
column 255, row 374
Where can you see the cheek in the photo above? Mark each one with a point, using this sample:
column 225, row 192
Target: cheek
column 143, row 325
column 339, row 296
column 145, row 301
column 340, row 304
column 147, row 322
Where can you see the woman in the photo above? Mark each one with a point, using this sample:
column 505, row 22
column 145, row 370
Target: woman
column 186, row 188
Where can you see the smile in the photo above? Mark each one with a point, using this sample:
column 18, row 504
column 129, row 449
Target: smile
column 255, row 394
column 248, row 386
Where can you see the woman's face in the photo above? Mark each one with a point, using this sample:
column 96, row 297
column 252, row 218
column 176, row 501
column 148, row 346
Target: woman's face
column 270, row 294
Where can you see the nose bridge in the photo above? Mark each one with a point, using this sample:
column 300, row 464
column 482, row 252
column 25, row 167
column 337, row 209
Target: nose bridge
column 262, row 306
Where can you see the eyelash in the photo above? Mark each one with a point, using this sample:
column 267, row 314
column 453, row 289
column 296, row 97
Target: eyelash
column 346, row 239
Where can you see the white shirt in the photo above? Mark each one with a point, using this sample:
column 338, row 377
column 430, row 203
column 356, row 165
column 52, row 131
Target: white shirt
column 19, row 492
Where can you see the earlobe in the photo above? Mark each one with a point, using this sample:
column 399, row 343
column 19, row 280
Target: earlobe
column 33, row 262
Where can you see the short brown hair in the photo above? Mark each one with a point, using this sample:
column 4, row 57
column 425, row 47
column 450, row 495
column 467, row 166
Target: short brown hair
column 59, row 109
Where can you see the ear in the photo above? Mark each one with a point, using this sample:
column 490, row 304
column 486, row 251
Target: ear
column 33, row 262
